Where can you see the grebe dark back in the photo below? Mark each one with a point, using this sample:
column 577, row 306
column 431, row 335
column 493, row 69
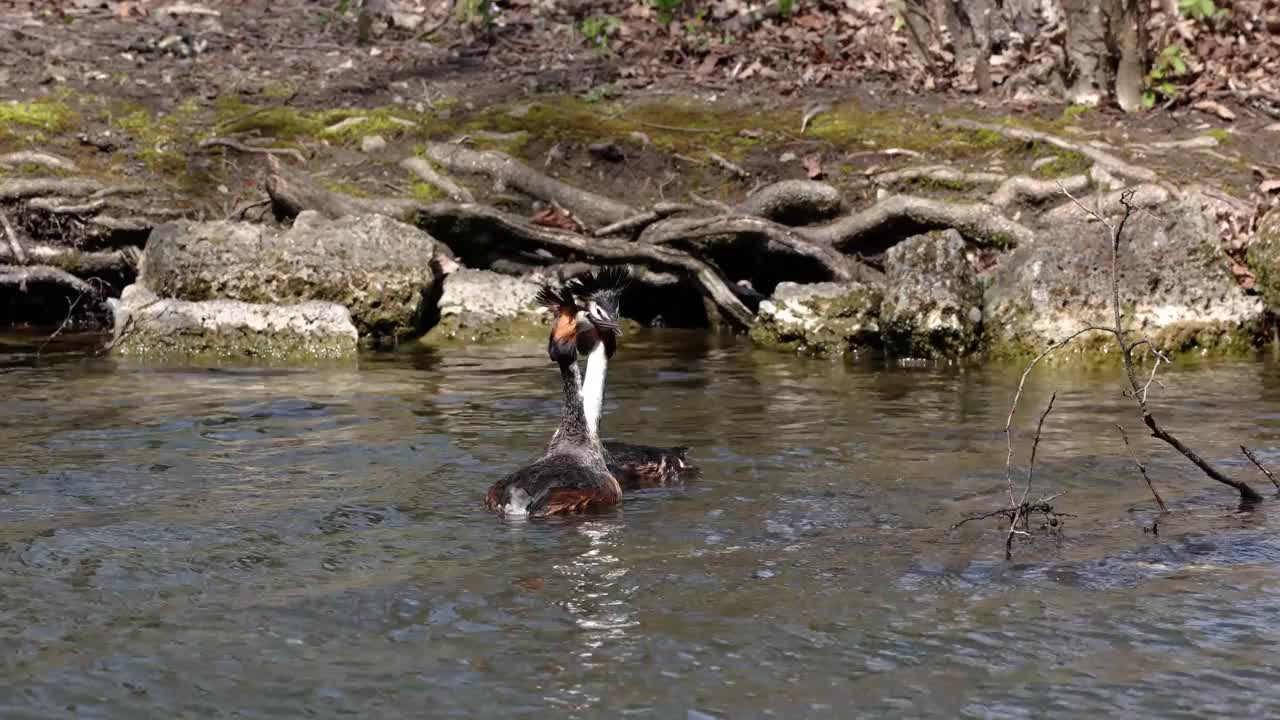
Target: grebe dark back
column 571, row 476
column 635, row 466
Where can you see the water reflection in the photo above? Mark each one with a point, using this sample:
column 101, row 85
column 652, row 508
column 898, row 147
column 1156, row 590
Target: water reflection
column 279, row 543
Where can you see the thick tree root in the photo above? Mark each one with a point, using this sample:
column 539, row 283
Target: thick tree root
column 938, row 174
column 1099, row 156
column 794, row 202
column 752, row 235
column 878, row 227
column 1021, row 188
column 424, row 170
column 297, row 192
column 105, row 264
column 35, row 157
column 506, row 171
column 458, row 224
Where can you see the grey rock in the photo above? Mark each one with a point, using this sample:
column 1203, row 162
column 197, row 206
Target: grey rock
column 372, row 144
column 380, row 269
column 152, row 327
column 485, row 306
column 933, row 297
column 1175, row 287
column 823, row 318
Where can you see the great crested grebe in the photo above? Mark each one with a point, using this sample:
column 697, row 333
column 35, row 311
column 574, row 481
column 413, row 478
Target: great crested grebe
column 635, row 466
column 571, row 476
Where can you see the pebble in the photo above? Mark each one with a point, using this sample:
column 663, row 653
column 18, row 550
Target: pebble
column 373, row 144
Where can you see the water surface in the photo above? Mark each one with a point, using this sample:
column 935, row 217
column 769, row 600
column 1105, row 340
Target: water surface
column 259, row 543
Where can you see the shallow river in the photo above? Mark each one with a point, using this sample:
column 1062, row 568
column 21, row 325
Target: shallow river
column 259, row 543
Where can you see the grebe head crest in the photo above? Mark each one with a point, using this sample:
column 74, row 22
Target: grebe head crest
column 600, row 294
column 567, row 315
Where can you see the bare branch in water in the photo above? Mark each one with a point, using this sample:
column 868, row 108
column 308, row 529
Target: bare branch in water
column 1139, row 391
column 1142, row 469
column 1254, row 459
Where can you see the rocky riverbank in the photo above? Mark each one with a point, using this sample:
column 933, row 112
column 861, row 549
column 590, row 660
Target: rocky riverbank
column 238, row 220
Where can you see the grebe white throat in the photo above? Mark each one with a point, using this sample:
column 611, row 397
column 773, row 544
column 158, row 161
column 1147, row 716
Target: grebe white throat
column 593, row 387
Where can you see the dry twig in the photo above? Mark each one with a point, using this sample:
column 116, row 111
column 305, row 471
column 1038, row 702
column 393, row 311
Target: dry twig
column 1254, row 459
column 1142, row 469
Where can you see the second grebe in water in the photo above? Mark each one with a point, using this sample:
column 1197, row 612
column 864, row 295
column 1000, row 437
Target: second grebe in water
column 571, row 476
column 635, row 466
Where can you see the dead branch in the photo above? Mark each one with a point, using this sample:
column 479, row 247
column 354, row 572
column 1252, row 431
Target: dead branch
column 1021, row 188
column 793, row 202
column 1031, row 471
column 252, row 149
column 1142, row 469
column 456, row 223
column 1247, row 494
column 1013, row 406
column 1099, row 156
column 424, row 170
column 507, row 171
column 900, row 216
column 34, row 157
column 734, row 169
column 642, row 220
column 1254, row 459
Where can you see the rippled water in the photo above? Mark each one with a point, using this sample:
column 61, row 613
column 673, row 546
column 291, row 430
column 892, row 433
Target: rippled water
column 263, row 543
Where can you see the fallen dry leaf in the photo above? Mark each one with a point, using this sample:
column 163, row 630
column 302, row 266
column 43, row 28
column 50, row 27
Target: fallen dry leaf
column 556, row 217
column 813, row 166
column 1216, row 108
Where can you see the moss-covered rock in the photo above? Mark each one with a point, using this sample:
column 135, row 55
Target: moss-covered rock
column 822, row 318
column 484, row 306
column 378, row 268
column 150, row 327
column 1264, row 259
column 933, row 298
column 1175, row 288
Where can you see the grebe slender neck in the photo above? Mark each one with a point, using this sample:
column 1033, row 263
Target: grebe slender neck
column 575, row 427
column 593, row 387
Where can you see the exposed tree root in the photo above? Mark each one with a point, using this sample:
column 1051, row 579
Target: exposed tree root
column 640, row 221
column 35, row 157
column 743, row 233
column 876, row 228
column 794, row 202
column 1021, row 188
column 939, row 174
column 424, row 170
column 297, row 192
column 24, row 277
column 1099, row 156
column 458, row 224
column 24, row 188
column 507, row 171
column 252, row 149
column 106, row 263
column 1110, row 204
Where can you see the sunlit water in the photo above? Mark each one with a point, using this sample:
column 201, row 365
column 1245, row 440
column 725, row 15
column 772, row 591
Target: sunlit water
column 189, row 542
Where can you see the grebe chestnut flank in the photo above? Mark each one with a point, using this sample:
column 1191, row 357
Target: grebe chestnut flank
column 571, row 476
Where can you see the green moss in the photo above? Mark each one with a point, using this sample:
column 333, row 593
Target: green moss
column 1222, row 135
column 451, row 331
column 289, row 124
column 426, row 192
column 1064, row 163
column 47, row 114
column 1074, row 112
column 344, row 188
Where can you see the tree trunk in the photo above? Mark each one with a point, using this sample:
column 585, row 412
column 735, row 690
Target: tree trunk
column 1106, row 40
